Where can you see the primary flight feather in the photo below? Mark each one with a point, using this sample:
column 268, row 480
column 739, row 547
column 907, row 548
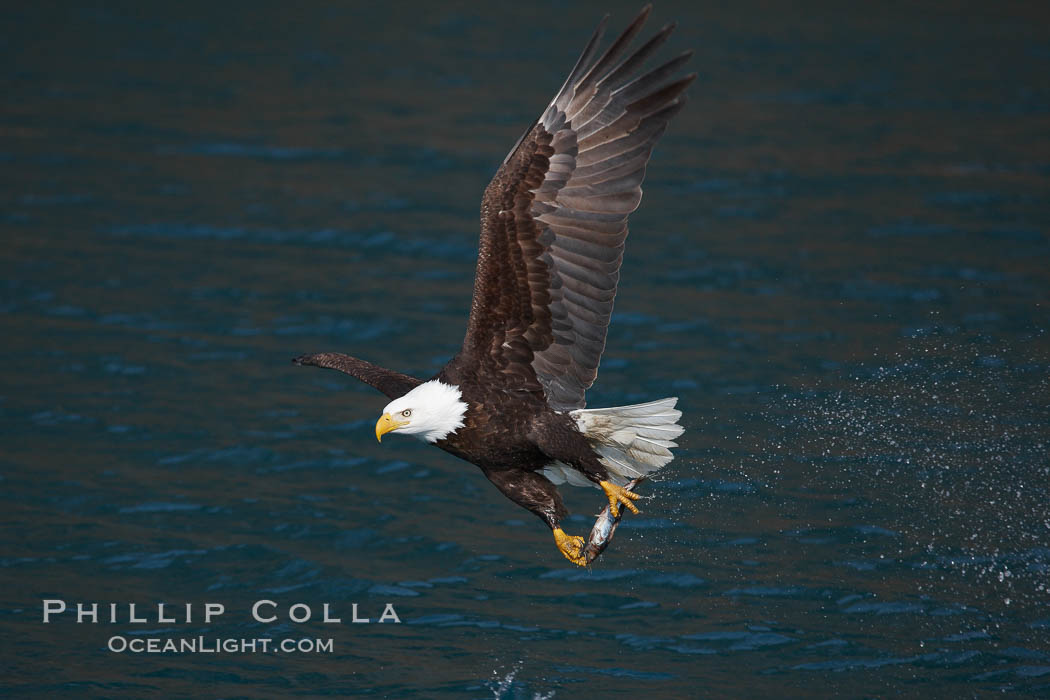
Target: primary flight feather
column 553, row 225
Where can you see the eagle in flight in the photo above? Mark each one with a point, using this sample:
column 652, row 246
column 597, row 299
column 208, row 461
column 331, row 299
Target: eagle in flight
column 553, row 225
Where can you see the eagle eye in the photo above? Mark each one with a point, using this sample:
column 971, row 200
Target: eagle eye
column 407, row 412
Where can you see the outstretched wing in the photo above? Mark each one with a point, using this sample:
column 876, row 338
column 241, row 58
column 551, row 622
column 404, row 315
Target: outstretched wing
column 393, row 384
column 554, row 220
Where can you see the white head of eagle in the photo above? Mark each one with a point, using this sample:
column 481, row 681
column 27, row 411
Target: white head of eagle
column 431, row 412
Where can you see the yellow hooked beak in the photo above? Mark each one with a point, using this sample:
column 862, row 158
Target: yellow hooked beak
column 385, row 424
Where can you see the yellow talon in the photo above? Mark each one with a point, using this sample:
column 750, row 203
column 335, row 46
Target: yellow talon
column 618, row 495
column 571, row 546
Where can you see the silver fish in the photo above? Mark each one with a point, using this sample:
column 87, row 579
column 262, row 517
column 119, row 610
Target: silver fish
column 604, row 527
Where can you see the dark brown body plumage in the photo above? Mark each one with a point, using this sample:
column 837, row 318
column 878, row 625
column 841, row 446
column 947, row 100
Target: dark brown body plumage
column 513, row 435
column 553, row 226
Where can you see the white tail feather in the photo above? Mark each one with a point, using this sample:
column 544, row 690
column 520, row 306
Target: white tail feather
column 631, row 441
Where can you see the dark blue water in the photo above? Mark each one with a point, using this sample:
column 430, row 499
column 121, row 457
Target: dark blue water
column 840, row 267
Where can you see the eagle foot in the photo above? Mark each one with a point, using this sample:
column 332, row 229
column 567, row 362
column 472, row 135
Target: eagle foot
column 617, row 495
column 571, row 546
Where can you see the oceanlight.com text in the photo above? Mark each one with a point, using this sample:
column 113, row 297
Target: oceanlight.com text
column 216, row 645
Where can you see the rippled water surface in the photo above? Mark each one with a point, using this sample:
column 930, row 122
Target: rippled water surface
column 840, row 267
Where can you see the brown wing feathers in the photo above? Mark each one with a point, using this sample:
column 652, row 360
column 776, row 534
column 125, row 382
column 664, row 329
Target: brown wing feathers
column 554, row 220
column 387, row 381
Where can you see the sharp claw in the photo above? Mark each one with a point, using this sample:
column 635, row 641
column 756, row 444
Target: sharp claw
column 571, row 547
column 618, row 495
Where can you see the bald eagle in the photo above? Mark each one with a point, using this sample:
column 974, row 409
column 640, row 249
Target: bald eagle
column 553, row 225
